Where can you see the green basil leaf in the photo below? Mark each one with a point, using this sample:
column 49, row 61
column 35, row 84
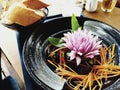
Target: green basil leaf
column 74, row 23
column 56, row 41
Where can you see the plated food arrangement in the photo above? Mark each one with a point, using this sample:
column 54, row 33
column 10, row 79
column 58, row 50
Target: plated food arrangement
column 73, row 53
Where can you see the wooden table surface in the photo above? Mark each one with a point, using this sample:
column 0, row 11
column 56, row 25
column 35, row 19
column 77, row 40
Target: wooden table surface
column 9, row 45
column 112, row 18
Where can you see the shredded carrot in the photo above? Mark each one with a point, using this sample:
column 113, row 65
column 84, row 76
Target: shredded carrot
column 62, row 61
column 53, row 53
column 104, row 69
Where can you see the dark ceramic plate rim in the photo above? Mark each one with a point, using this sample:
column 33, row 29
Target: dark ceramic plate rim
column 34, row 77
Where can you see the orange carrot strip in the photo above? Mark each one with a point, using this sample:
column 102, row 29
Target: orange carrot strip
column 62, row 61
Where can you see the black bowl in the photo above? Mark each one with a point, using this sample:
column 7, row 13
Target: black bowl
column 35, row 56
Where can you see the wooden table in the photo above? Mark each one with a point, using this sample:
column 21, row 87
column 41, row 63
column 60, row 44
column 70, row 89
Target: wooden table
column 112, row 18
column 9, row 45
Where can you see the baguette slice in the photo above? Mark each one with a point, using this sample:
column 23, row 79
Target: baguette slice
column 9, row 3
column 35, row 4
column 20, row 14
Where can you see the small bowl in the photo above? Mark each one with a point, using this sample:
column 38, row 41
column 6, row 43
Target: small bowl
column 17, row 26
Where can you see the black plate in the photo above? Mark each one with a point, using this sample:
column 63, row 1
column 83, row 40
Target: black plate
column 33, row 50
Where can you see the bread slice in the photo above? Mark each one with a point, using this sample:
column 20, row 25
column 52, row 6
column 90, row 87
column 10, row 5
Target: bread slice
column 24, row 12
column 19, row 14
column 35, row 4
column 9, row 3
